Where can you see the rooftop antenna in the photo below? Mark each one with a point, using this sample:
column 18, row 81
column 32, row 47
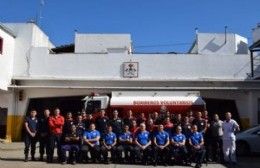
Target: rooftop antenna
column 225, row 34
column 39, row 13
column 196, row 34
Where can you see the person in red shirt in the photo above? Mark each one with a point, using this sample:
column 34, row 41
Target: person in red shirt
column 133, row 128
column 150, row 126
column 168, row 125
column 56, row 123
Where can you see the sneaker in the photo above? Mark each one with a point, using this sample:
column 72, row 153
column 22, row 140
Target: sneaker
column 63, row 163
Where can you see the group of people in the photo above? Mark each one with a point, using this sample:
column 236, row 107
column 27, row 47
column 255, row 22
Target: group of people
column 160, row 138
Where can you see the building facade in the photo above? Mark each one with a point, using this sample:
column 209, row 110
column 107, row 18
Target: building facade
column 36, row 74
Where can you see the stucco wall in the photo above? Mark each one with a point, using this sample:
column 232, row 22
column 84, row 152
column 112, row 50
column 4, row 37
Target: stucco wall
column 151, row 66
column 6, row 60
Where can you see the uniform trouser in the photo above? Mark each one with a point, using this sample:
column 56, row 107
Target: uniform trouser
column 162, row 153
column 146, row 152
column 73, row 149
column 104, row 152
column 229, row 150
column 30, row 141
column 94, row 151
column 127, row 149
column 199, row 154
column 217, row 148
column 44, row 145
column 180, row 152
column 55, row 138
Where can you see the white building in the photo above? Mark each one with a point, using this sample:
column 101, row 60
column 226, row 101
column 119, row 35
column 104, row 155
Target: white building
column 34, row 74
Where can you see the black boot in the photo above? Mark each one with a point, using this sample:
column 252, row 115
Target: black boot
column 26, row 158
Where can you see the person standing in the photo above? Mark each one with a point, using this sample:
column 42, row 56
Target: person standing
column 56, row 123
column 116, row 123
column 230, row 127
column 102, row 122
column 129, row 117
column 216, row 137
column 44, row 134
column 31, row 125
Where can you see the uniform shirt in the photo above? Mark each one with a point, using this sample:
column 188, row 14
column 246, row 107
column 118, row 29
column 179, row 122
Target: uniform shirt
column 92, row 135
column 109, row 138
column 216, row 128
column 161, row 137
column 67, row 126
column 125, row 136
column 101, row 124
column 142, row 137
column 70, row 135
column 56, row 124
column 201, row 124
column 229, row 129
column 43, row 126
column 179, row 138
column 80, row 128
column 32, row 123
column 128, row 121
column 196, row 138
column 186, row 129
column 117, row 125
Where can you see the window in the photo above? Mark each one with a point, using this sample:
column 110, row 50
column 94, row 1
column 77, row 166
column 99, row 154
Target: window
column 1, row 45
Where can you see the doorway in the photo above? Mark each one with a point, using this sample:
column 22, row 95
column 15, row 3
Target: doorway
column 3, row 122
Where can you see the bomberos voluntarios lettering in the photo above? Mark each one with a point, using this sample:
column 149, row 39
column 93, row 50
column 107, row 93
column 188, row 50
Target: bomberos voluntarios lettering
column 144, row 102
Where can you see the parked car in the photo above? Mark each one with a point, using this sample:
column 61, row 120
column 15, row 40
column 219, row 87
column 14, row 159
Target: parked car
column 248, row 141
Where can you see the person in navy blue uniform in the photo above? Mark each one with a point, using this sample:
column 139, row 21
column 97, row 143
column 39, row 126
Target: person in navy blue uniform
column 109, row 141
column 31, row 125
column 125, row 141
column 71, row 144
column 161, row 145
column 196, row 142
column 117, row 123
column 44, row 134
column 80, row 128
column 178, row 142
column 143, row 144
column 102, row 122
column 69, row 121
column 91, row 143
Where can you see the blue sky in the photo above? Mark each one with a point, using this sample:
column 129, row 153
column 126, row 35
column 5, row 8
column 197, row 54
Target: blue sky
column 154, row 25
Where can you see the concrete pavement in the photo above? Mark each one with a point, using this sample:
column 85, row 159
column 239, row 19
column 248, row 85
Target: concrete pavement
column 11, row 156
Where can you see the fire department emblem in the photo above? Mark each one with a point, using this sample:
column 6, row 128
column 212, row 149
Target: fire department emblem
column 130, row 70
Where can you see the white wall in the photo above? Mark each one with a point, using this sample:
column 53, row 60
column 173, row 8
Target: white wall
column 212, row 43
column 28, row 35
column 151, row 66
column 6, row 60
column 101, row 43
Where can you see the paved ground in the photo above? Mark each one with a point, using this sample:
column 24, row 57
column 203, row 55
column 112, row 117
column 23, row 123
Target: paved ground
column 11, row 156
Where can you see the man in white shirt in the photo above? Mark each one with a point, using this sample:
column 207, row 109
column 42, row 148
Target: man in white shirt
column 230, row 127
